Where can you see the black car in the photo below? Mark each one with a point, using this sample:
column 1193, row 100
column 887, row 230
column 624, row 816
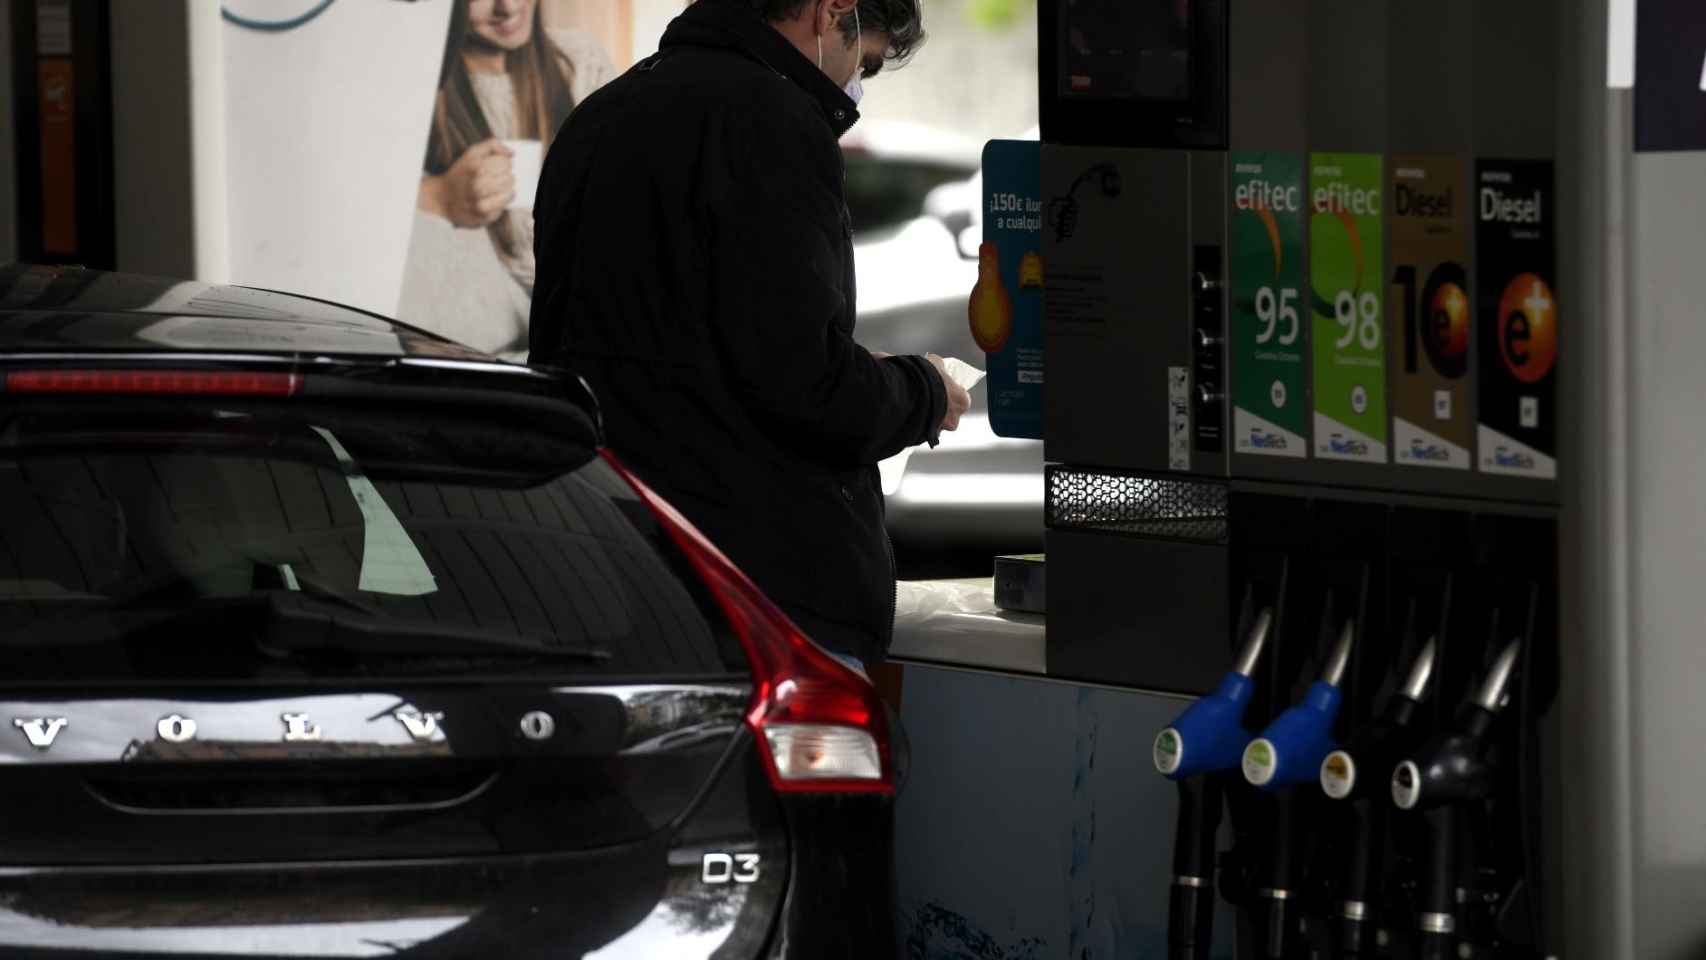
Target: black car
column 326, row 637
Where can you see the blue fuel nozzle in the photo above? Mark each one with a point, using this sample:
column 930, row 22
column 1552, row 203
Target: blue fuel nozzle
column 1209, row 735
column 1291, row 749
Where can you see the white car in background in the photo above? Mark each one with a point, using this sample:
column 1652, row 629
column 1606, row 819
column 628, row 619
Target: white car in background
column 915, row 197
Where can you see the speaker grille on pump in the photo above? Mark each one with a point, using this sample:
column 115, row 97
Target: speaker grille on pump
column 1137, row 504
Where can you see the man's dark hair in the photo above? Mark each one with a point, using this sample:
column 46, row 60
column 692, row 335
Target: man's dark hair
column 902, row 20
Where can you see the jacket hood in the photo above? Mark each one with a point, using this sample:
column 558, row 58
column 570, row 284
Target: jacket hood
column 735, row 25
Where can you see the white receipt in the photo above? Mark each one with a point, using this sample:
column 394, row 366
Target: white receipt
column 390, row 561
column 893, row 469
column 963, row 373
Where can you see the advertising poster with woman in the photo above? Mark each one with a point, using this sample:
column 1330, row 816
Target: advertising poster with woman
column 512, row 73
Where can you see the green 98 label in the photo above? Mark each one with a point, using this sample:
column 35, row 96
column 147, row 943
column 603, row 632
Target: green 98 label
column 1347, row 274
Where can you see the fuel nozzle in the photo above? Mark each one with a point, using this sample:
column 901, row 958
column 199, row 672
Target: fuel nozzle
column 1291, row 749
column 1453, row 767
column 1437, row 782
column 1287, row 753
column 1377, row 748
column 1200, row 745
column 1385, row 741
column 1210, row 734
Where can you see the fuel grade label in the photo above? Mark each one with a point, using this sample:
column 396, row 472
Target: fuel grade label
column 1517, row 311
column 1270, row 402
column 1429, row 313
column 1346, row 271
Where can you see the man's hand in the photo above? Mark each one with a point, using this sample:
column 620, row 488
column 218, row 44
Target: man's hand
column 959, row 401
column 477, row 188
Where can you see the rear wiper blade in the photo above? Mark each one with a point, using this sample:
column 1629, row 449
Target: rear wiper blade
column 296, row 628
column 287, row 624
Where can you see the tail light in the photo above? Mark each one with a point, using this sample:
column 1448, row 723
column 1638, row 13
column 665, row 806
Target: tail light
column 157, row 382
column 821, row 727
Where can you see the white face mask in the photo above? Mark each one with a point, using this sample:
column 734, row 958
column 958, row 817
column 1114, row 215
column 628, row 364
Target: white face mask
column 854, row 89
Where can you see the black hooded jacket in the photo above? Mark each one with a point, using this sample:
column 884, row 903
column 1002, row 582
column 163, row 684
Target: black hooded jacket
column 695, row 265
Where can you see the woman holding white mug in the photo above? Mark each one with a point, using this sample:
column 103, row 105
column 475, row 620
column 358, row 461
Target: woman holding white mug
column 505, row 87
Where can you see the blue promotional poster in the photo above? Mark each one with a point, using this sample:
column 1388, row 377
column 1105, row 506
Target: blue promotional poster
column 1006, row 306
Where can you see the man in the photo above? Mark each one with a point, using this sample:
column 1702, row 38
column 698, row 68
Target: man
column 695, row 264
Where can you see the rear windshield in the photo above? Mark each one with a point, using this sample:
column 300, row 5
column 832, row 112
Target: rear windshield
column 236, row 537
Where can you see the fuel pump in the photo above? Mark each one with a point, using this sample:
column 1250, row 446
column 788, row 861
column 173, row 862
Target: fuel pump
column 1328, row 280
column 1196, row 751
column 1376, row 748
column 1441, row 781
column 1287, row 754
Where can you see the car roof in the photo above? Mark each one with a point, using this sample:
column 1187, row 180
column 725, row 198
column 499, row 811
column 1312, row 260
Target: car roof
column 71, row 309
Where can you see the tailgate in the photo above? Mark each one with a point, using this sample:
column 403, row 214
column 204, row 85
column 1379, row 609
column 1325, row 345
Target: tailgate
column 408, row 772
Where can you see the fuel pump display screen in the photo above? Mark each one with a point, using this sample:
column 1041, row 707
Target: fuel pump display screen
column 1125, row 49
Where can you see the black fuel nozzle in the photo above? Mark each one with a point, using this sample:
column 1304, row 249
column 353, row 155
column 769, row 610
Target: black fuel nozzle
column 1382, row 744
column 1195, row 751
column 1438, row 781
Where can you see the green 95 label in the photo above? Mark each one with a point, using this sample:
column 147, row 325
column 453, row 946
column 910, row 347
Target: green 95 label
column 1269, row 328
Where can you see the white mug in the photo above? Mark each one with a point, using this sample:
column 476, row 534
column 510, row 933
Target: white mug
column 526, row 164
